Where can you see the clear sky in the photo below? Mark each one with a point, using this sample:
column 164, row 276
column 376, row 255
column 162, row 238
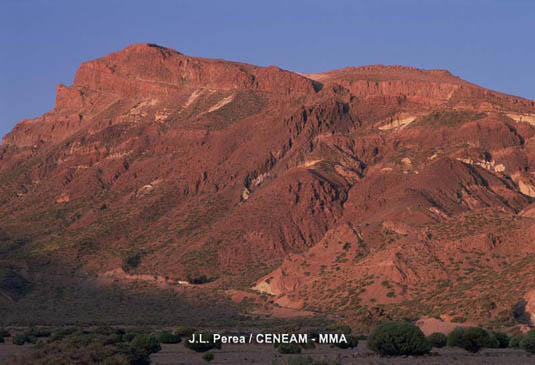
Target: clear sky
column 488, row 42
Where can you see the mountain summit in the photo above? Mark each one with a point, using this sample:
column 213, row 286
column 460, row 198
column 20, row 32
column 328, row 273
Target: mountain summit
column 367, row 192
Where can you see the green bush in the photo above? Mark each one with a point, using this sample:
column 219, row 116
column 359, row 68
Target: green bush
column 183, row 331
column 113, row 339
column 198, row 280
column 514, row 342
column 528, row 342
column 107, row 331
column 141, row 347
column 398, row 338
column 498, row 340
column 39, row 332
column 168, row 337
column 471, row 339
column 62, row 333
column 288, row 348
column 134, row 332
column 438, row 339
column 23, row 338
column 83, row 348
column 200, row 346
column 132, row 260
column 208, row 356
column 129, row 336
column 19, row 339
column 352, row 341
column 493, row 342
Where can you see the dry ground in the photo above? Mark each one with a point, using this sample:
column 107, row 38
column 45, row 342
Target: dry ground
column 266, row 354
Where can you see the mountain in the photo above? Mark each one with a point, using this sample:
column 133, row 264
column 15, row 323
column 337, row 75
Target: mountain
column 362, row 193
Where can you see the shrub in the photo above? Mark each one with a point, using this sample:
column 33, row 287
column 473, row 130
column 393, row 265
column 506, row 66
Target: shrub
column 39, row 332
column 113, row 339
column 438, row 339
column 398, row 338
column 514, row 342
column 132, row 260
column 129, row 336
column 168, row 337
column 141, row 347
column 352, row 341
column 498, row 340
column 82, row 348
column 19, row 339
column 107, row 331
column 288, row 348
column 1, row 339
column 208, row 356
column 471, row 339
column 183, row 331
column 198, row 280
column 528, row 342
column 493, row 342
column 201, row 346
column 61, row 334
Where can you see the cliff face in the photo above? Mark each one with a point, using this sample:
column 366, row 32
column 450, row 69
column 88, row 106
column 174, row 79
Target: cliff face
column 143, row 71
column 150, row 69
column 376, row 184
column 431, row 87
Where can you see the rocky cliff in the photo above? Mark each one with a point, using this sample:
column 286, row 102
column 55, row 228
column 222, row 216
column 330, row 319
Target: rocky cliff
column 374, row 192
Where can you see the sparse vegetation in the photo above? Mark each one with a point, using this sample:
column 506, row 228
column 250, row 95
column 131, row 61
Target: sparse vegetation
column 62, row 333
column 89, row 347
column 397, row 339
column 447, row 119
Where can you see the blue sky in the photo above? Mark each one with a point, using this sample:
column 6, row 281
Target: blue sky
column 490, row 43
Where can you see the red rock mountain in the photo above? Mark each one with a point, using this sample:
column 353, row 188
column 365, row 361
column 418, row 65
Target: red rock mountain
column 366, row 192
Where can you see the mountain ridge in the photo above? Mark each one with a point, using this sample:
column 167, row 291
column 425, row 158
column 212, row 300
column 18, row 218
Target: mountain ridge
column 345, row 192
